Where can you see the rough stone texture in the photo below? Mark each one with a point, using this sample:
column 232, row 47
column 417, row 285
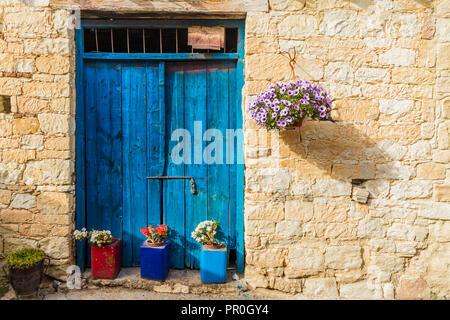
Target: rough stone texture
column 385, row 64
column 36, row 44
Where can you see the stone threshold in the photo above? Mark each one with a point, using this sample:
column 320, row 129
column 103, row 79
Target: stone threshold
column 177, row 281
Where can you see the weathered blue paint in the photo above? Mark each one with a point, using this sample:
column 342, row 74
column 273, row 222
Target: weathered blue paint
column 126, row 112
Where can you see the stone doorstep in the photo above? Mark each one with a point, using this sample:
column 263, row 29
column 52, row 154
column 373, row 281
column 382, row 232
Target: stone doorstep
column 178, row 281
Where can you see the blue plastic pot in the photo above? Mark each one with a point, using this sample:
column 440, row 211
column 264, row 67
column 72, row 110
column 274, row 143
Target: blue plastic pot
column 155, row 261
column 213, row 265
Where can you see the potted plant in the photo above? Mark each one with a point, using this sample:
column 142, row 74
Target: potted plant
column 155, row 253
column 290, row 104
column 106, row 253
column 26, row 270
column 213, row 257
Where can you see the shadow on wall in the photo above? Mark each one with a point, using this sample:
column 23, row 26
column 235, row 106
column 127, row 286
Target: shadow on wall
column 347, row 151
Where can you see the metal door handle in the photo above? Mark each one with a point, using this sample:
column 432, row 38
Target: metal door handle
column 174, row 178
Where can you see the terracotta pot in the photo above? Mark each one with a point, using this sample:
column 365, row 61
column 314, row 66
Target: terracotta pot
column 154, row 245
column 214, row 246
column 299, row 124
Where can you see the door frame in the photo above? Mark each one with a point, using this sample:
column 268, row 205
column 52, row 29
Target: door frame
column 80, row 132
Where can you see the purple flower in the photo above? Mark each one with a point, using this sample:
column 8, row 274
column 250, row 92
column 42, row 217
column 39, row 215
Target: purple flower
column 289, row 119
column 321, row 109
column 283, row 90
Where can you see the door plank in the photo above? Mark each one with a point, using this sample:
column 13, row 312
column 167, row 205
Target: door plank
column 91, row 146
column 174, row 191
column 218, row 181
column 195, row 110
column 134, row 155
column 155, row 147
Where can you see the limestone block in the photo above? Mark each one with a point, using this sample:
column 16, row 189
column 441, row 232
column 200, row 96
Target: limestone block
column 443, row 56
column 32, row 142
column 420, row 150
column 343, row 257
column 53, row 64
column 265, row 258
column 403, row 190
column 12, row 244
column 413, row 76
column 258, row 227
column 305, row 258
column 297, row 26
column 55, row 203
column 272, row 211
column 5, row 197
column 435, row 211
column 405, row 25
column 442, row 27
column 371, row 228
column 27, row 21
column 394, row 170
column 299, row 210
column 406, row 249
column 321, row 287
column 286, row 5
column 56, row 123
column 440, row 231
column 337, row 90
column 289, row 228
column 257, row 23
column 25, row 126
column 23, row 201
column 386, row 150
column 56, row 247
column 339, row 71
column 426, row 55
column 52, row 219
column 339, row 23
column 388, row 291
column 412, row 288
column 10, row 86
column 15, row 216
column 441, row 156
column 377, row 188
column 31, row 105
column 372, row 24
column 382, row 245
column 329, row 211
column 291, row 286
column 10, row 172
column 288, row 45
column 24, row 65
column 6, row 62
column 361, row 290
column 401, row 231
column 18, row 155
column 372, row 75
column 442, row 193
column 46, row 89
column 344, row 231
column 50, row 171
column 396, row 108
column 398, row 57
column 431, row 171
column 443, row 134
column 48, row 46
column 332, row 188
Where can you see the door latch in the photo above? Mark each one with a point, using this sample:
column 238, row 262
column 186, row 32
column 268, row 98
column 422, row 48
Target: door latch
column 177, row 178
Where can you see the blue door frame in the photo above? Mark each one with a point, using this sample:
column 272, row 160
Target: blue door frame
column 82, row 58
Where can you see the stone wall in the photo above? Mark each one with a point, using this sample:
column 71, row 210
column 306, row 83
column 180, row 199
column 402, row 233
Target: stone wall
column 358, row 208
column 37, row 134
column 309, row 226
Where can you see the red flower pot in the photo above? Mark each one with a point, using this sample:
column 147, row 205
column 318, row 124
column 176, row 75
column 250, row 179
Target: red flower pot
column 106, row 260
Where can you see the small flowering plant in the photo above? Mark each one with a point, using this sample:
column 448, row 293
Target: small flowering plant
column 205, row 233
column 155, row 235
column 98, row 238
column 285, row 104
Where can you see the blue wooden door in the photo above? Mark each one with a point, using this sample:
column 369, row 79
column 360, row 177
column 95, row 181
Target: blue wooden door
column 131, row 112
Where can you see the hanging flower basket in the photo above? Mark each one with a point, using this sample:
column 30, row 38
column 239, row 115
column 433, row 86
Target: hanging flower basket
column 290, row 104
